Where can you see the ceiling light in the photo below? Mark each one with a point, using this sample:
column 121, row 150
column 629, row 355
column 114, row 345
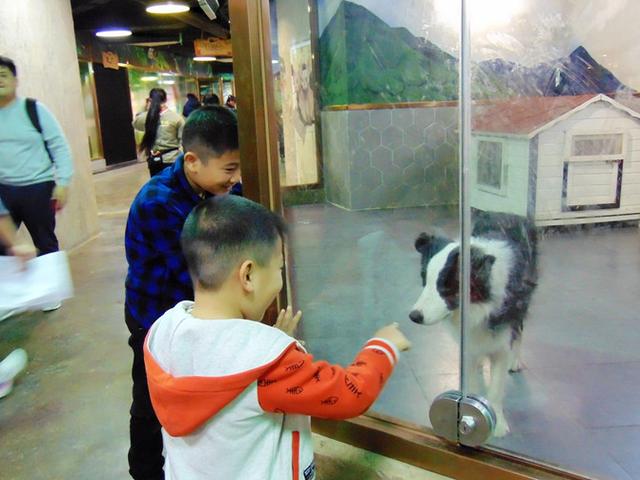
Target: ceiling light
column 204, row 59
column 164, row 8
column 113, row 33
column 167, row 82
column 149, row 78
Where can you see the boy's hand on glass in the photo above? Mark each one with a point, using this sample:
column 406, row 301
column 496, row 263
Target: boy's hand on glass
column 394, row 335
column 287, row 321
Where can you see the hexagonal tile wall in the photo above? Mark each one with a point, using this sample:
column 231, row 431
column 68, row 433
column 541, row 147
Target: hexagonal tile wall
column 393, row 157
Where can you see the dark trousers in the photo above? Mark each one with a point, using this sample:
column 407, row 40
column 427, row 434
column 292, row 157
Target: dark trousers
column 31, row 205
column 145, row 453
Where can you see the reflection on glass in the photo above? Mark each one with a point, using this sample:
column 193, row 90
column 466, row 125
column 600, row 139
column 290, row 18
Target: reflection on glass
column 88, row 99
column 176, row 86
column 386, row 171
column 554, row 165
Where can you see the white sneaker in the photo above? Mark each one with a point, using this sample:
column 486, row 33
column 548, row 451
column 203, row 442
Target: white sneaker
column 51, row 307
column 10, row 367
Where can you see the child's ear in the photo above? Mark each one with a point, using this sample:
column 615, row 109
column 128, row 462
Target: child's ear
column 191, row 161
column 245, row 275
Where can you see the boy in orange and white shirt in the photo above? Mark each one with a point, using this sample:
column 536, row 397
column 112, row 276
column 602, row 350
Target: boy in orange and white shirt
column 234, row 395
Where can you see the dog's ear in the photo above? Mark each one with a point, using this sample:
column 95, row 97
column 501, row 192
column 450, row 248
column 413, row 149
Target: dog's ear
column 423, row 241
column 428, row 244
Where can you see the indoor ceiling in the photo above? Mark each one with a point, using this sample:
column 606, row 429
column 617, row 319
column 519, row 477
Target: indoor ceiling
column 173, row 33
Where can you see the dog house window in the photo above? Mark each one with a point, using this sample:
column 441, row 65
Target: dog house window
column 590, row 145
column 490, row 164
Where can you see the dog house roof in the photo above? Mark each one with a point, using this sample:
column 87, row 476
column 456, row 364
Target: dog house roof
column 529, row 116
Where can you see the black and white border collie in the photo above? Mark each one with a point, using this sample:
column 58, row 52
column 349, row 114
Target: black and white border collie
column 503, row 277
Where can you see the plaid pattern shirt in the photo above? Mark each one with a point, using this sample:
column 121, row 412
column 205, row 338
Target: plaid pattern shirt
column 158, row 277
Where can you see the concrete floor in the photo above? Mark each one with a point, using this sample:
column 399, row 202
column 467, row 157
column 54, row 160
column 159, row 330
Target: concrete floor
column 67, row 417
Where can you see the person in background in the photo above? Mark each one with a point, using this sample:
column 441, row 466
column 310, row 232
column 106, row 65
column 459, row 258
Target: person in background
column 36, row 166
column 162, row 132
column 211, row 99
column 16, row 361
column 158, row 277
column 191, row 104
column 231, row 102
column 232, row 394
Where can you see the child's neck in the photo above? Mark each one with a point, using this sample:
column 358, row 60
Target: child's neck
column 215, row 305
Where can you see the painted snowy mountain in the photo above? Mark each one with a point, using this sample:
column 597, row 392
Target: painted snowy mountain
column 364, row 60
column 576, row 74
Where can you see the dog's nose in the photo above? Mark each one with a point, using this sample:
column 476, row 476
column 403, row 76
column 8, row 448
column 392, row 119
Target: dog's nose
column 416, row 316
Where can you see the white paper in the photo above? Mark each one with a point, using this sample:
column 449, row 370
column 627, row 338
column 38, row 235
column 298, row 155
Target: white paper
column 46, row 280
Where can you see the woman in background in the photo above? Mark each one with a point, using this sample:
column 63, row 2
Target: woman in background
column 162, row 132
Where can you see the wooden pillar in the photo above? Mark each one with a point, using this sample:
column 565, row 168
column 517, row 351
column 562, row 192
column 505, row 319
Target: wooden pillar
column 251, row 40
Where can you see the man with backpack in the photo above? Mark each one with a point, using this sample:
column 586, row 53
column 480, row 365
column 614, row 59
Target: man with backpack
column 35, row 163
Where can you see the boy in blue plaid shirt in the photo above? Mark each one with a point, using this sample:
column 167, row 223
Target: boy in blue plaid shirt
column 158, row 277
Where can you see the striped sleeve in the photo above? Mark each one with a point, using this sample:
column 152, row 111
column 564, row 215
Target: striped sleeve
column 298, row 384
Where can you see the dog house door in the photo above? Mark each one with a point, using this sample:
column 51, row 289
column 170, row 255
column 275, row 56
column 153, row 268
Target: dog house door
column 592, row 178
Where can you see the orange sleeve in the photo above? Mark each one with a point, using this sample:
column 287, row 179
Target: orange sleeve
column 297, row 384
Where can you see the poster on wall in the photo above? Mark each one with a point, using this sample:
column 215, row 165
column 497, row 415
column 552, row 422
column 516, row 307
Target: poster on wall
column 299, row 116
column 303, row 113
column 110, row 60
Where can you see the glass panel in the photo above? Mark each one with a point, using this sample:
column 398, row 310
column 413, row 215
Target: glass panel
column 176, row 86
column 364, row 173
column 553, row 323
column 91, row 117
column 227, row 87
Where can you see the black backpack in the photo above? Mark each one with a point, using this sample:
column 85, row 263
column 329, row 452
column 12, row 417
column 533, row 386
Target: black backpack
column 32, row 112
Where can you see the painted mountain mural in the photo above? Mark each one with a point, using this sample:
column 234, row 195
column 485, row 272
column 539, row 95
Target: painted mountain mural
column 576, row 74
column 364, row 60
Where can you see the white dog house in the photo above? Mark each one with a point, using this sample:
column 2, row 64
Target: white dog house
column 559, row 160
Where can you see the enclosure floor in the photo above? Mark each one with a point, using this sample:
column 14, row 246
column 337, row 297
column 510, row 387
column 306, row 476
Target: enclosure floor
column 575, row 402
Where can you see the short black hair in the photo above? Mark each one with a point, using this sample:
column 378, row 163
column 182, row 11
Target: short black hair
column 8, row 63
column 212, row 127
column 225, row 230
column 211, row 99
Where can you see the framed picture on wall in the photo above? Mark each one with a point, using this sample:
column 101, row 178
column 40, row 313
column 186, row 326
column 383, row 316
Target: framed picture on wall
column 301, row 161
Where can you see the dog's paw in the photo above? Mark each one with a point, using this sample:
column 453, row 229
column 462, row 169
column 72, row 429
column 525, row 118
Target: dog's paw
column 502, row 427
